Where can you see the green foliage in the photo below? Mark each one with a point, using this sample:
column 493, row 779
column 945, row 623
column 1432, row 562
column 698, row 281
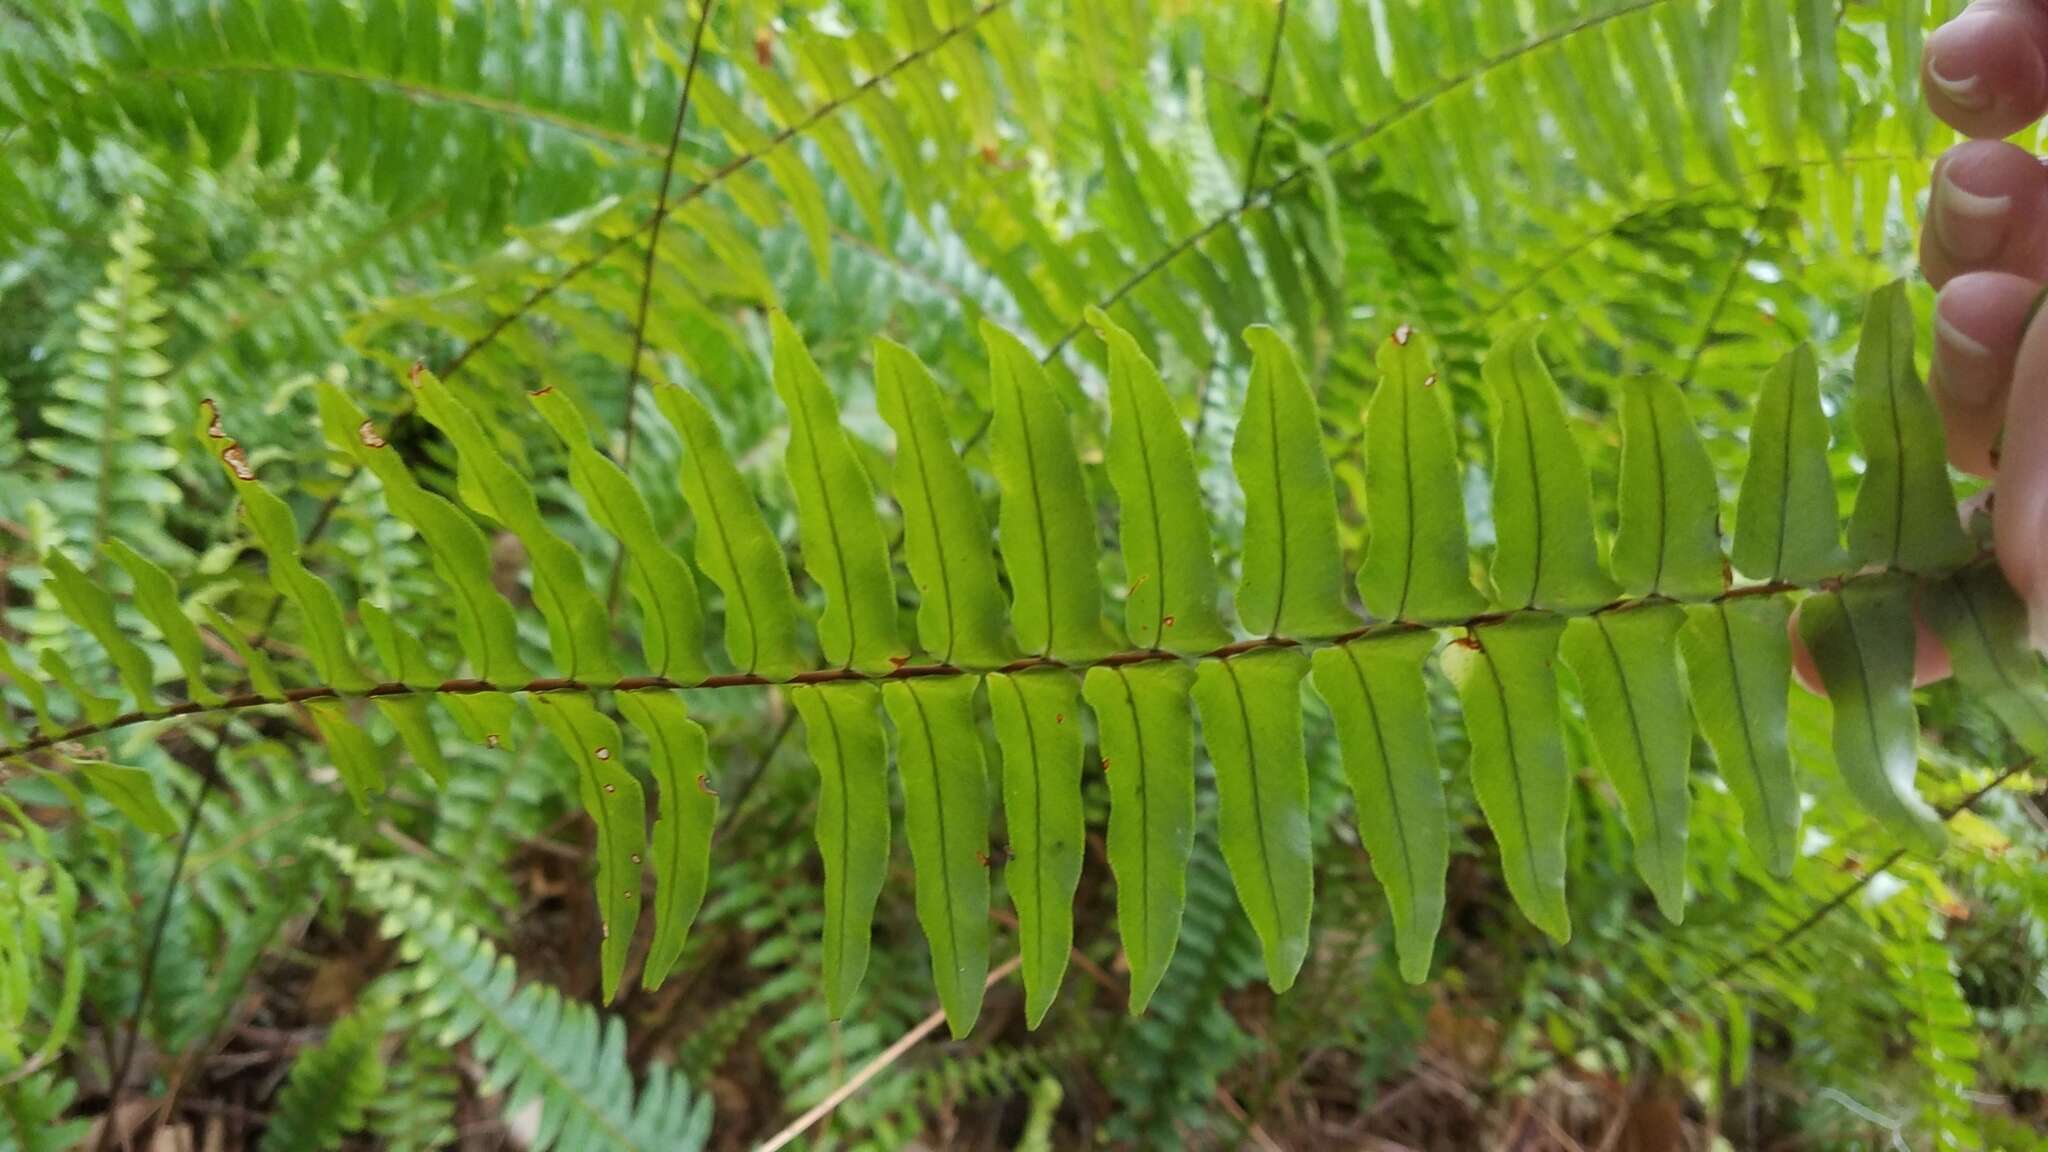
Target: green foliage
column 536, row 1047
column 298, row 210
column 331, row 1087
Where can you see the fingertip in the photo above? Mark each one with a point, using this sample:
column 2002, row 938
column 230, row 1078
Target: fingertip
column 1984, row 73
column 1979, row 320
column 2019, row 505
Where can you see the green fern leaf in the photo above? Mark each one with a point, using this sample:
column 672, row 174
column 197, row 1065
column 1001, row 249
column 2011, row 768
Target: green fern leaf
column 1046, row 527
column 1416, row 563
column 1983, row 627
column 613, row 799
column 1509, row 692
column 1787, row 525
column 1380, row 703
column 672, row 626
column 687, row 813
column 844, row 725
column 1169, row 569
column 1251, row 721
column 1038, row 727
column 960, row 611
column 1627, row 666
column 91, row 606
column 132, row 792
column 1293, row 580
column 1738, row 669
column 1862, row 642
column 1146, row 733
column 1669, row 543
column 734, row 546
column 1905, row 514
column 1547, row 556
column 405, row 658
column 945, row 817
column 330, row 1088
column 156, row 596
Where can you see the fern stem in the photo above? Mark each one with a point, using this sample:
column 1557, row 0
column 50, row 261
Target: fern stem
column 1251, row 163
column 668, row 172
column 43, row 741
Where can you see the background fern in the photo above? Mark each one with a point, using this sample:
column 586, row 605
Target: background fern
column 264, row 203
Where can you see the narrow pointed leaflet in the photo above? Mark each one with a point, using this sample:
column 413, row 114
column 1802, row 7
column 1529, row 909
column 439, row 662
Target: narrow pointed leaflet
column 671, row 624
column 579, row 631
column 945, row 817
column 1787, row 524
column 842, row 536
column 1983, row 626
column 734, row 545
column 88, row 603
column 1147, row 739
column 1251, row 721
column 1862, row 642
column 1417, row 566
column 1380, row 704
column 461, row 557
column 613, row 800
column 1045, row 523
column 843, row 727
column 1627, row 666
column 156, row 596
column 1738, row 671
column 1293, row 583
column 1546, row 555
column 1905, row 514
column 946, row 539
column 1169, row 569
column 1038, row 726
column 1669, row 542
column 843, row 545
column 686, row 812
column 405, row 660
column 1508, row 688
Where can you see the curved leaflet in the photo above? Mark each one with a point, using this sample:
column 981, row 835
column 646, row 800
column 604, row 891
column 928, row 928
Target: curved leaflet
column 579, row 629
column 1862, row 641
column 960, row 609
column 1251, row 721
column 945, row 815
column 1546, row 555
column 1787, row 524
column 1045, row 523
column 1669, row 543
column 1738, row 670
column 461, row 557
column 687, row 810
column 843, row 546
column 843, row 726
column 1293, row 583
column 1380, row 703
column 734, row 546
column 612, row 798
column 671, row 624
column 1416, row 566
column 1169, row 569
column 1038, row 727
column 1146, row 734
column 1983, row 626
column 1905, row 515
column 1509, row 691
column 1627, row 667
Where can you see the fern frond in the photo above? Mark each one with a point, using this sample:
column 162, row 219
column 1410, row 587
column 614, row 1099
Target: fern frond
column 537, row 1048
column 331, row 1087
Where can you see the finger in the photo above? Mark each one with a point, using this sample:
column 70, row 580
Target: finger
column 1930, row 659
column 1984, row 71
column 1979, row 319
column 1988, row 212
column 2019, row 506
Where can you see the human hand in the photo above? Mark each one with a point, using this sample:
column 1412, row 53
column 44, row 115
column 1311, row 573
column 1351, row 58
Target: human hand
column 1984, row 247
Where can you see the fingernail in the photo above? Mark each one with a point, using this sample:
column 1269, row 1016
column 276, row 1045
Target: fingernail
column 1972, row 226
column 1965, row 90
column 1965, row 364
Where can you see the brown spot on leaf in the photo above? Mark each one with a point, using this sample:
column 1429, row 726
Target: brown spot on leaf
column 367, row 433
column 704, row 785
column 1429, row 381
column 602, row 752
column 212, row 411
column 1402, row 334
column 237, row 462
column 491, row 739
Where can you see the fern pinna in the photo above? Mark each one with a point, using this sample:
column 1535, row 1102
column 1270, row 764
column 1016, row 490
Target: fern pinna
column 1662, row 634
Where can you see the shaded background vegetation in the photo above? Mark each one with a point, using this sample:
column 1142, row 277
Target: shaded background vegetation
column 237, row 198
